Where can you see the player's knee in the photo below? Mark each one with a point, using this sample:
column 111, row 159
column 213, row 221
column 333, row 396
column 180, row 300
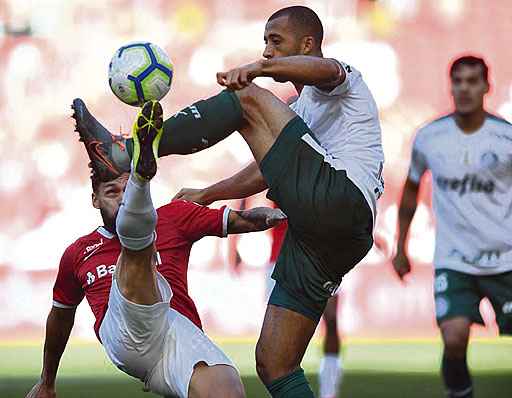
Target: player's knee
column 269, row 367
column 230, row 387
column 250, row 98
column 455, row 342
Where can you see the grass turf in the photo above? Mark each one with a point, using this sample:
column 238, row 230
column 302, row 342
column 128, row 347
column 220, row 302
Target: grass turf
column 372, row 369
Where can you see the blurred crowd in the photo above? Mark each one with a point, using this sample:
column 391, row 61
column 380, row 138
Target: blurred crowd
column 52, row 51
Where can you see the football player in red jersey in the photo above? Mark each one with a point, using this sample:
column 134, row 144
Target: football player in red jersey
column 133, row 272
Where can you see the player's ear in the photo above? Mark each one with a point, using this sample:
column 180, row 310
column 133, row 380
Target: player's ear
column 487, row 87
column 95, row 201
column 308, row 44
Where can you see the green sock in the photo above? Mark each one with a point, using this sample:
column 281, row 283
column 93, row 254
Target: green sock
column 200, row 125
column 293, row 385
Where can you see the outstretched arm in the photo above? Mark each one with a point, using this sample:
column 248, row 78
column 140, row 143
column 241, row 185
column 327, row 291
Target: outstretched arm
column 58, row 328
column 301, row 69
column 255, row 219
column 246, row 182
column 408, row 205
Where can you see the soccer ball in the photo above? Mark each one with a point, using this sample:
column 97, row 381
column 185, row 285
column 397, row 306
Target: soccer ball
column 140, row 72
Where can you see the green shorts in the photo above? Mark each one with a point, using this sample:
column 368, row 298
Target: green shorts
column 459, row 294
column 329, row 222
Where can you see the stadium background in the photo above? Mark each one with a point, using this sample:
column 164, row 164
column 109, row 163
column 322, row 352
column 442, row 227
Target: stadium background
column 52, row 51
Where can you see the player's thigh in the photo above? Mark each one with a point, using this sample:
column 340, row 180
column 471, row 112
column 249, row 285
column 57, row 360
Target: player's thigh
column 284, row 337
column 133, row 334
column 262, row 108
column 185, row 352
column 498, row 288
column 319, row 200
column 309, row 270
column 456, row 296
column 215, row 381
column 136, row 276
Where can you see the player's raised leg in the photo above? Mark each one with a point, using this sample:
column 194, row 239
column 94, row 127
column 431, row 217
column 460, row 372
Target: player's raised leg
column 136, row 219
column 195, row 127
column 454, row 368
column 331, row 370
column 192, row 129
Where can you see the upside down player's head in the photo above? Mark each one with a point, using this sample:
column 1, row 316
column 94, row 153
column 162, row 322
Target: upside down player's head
column 469, row 84
column 107, row 197
column 295, row 30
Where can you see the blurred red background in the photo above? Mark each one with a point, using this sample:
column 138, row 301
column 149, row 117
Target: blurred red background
column 55, row 50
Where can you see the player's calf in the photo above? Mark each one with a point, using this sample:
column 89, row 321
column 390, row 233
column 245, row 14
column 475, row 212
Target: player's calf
column 454, row 367
column 284, row 337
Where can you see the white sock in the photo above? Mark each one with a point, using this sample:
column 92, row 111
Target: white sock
column 136, row 220
column 330, row 375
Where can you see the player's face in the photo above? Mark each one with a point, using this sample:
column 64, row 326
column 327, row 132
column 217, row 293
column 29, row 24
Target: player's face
column 280, row 39
column 107, row 199
column 468, row 88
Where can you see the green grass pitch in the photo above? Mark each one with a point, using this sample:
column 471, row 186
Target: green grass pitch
column 377, row 369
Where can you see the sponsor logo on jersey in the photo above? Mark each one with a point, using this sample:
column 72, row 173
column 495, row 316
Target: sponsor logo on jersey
column 90, row 250
column 101, row 271
column 470, row 183
column 94, row 246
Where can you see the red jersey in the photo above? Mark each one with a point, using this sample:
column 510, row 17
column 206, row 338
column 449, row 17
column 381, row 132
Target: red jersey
column 87, row 265
column 278, row 234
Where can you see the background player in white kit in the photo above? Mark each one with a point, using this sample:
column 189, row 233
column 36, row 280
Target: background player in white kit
column 469, row 155
column 163, row 347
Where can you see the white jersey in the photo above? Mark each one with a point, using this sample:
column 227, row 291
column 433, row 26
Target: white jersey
column 472, row 193
column 345, row 122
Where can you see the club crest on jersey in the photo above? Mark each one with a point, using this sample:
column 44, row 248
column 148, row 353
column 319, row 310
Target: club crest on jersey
column 489, row 160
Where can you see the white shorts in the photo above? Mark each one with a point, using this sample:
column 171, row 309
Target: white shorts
column 155, row 343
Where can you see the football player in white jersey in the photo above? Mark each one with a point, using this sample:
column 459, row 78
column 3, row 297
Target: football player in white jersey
column 322, row 161
column 468, row 153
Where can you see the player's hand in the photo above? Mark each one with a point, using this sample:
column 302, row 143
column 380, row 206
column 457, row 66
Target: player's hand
column 401, row 264
column 193, row 195
column 273, row 217
column 41, row 390
column 238, row 78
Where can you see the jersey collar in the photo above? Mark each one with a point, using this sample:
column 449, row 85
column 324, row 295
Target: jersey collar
column 105, row 233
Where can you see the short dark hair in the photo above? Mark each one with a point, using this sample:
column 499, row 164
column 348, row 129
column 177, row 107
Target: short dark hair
column 304, row 19
column 470, row 60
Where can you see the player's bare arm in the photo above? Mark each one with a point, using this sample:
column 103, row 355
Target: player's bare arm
column 299, row 69
column 246, row 182
column 408, row 205
column 58, row 328
column 255, row 219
